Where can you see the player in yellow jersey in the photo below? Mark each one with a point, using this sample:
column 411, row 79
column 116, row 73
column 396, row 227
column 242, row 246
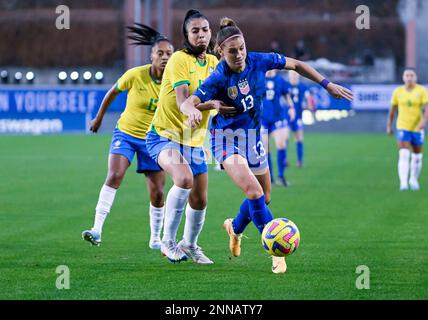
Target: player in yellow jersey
column 142, row 84
column 410, row 101
column 178, row 148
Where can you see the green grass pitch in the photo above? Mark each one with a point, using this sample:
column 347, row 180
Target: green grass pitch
column 345, row 202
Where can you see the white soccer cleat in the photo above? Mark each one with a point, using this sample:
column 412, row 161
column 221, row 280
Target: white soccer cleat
column 155, row 244
column 404, row 187
column 278, row 264
column 414, row 185
column 172, row 251
column 92, row 236
column 194, row 253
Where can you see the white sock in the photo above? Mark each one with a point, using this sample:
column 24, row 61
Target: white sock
column 156, row 221
column 174, row 206
column 105, row 201
column 403, row 166
column 193, row 227
column 415, row 166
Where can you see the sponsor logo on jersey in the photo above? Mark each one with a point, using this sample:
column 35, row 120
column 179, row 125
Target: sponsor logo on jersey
column 232, row 92
column 244, row 87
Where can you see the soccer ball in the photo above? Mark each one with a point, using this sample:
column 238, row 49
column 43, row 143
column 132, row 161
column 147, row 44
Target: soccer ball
column 280, row 237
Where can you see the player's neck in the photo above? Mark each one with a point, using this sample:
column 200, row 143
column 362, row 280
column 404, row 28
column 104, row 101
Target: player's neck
column 156, row 74
column 201, row 57
column 410, row 87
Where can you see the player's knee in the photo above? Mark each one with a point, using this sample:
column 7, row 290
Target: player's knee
column 280, row 145
column 114, row 179
column 157, row 198
column 198, row 203
column 253, row 192
column 184, row 181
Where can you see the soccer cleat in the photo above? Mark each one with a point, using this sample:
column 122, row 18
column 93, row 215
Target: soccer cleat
column 404, row 187
column 278, row 264
column 234, row 239
column 172, row 251
column 414, row 185
column 281, row 181
column 299, row 164
column 155, row 244
column 92, row 236
column 194, row 253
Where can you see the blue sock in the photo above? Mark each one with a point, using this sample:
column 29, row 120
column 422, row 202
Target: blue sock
column 280, row 157
column 270, row 167
column 259, row 213
column 299, row 148
column 285, row 157
column 242, row 219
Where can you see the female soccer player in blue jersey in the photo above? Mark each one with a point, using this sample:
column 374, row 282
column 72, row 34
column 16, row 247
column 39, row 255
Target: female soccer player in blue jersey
column 300, row 95
column 129, row 138
column 239, row 80
column 275, row 121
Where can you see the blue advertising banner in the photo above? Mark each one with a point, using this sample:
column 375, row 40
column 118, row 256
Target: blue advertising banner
column 42, row 110
column 68, row 109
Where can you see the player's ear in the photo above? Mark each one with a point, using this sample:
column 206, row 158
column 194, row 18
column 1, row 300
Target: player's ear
column 220, row 52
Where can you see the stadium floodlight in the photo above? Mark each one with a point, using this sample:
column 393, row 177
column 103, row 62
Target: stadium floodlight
column 87, row 76
column 62, row 77
column 74, row 76
column 4, row 75
column 18, row 77
column 99, row 76
column 30, row 76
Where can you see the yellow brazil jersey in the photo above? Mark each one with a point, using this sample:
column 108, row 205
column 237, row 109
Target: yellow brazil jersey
column 143, row 94
column 410, row 105
column 169, row 122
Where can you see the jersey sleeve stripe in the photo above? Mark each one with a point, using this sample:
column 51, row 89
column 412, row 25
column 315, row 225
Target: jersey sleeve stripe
column 117, row 87
column 179, row 83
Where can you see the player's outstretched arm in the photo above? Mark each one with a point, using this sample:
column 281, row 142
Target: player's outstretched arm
column 105, row 104
column 307, row 71
column 218, row 105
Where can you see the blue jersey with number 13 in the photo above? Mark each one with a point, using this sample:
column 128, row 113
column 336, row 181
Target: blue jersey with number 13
column 244, row 90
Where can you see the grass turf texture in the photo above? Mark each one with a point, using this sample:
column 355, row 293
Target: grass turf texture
column 345, row 202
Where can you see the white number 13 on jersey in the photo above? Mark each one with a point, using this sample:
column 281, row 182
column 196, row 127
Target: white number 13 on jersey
column 262, row 152
column 248, row 102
